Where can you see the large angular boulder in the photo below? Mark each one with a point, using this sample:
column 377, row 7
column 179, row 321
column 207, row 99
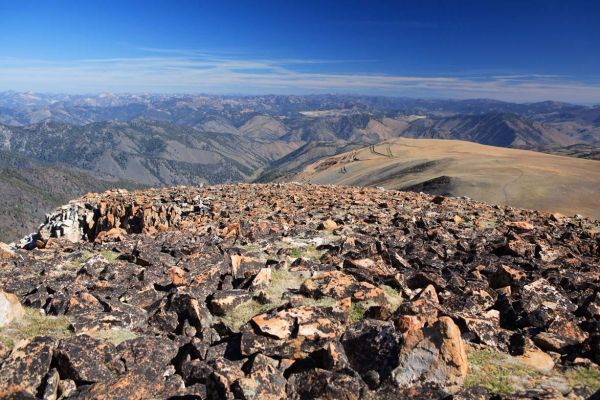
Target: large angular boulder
column 149, row 355
column 432, row 355
column 22, row 373
column 542, row 303
column 372, row 348
column 506, row 276
column 85, row 359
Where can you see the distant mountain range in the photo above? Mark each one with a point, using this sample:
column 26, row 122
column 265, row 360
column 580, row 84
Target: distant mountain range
column 164, row 140
column 493, row 128
column 147, row 152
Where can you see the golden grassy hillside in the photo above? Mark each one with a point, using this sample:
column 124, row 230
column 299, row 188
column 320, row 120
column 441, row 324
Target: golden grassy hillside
column 497, row 175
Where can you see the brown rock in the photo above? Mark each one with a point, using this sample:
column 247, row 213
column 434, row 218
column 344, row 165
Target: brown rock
column 220, row 383
column 226, row 300
column 264, row 381
column 326, row 385
column 338, row 285
column 134, row 386
column 542, row 294
column 85, row 359
column 520, row 226
column 177, row 276
column 567, row 329
column 327, row 225
column 10, row 308
column 429, row 294
column 484, row 329
column 6, row 252
column 51, row 385
column 23, row 371
column 278, row 325
column 112, row 235
column 333, row 356
column 66, row 388
column 521, row 248
column 147, row 355
column 372, row 348
column 506, row 276
column 237, row 261
column 537, row 359
column 369, row 270
column 410, row 322
column 307, row 321
column 425, row 309
column 263, row 278
column 432, row 355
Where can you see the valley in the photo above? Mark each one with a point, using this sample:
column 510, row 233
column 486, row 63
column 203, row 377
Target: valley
column 166, row 140
column 29, row 189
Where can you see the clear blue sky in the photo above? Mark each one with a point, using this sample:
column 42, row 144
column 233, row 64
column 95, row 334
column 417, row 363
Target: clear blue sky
column 512, row 50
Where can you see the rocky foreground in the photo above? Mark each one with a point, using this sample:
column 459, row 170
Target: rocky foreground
column 301, row 292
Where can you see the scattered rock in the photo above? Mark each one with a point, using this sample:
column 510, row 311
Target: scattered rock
column 322, row 384
column 177, row 276
column 537, row 359
column 189, row 292
column 338, row 285
column 224, row 301
column 10, row 308
column 6, row 252
column 506, row 276
column 263, row 278
column 328, row 225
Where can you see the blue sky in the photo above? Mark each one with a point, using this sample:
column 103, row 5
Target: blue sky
column 509, row 50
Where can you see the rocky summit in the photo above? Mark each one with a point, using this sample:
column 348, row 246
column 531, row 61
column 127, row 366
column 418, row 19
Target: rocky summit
column 303, row 292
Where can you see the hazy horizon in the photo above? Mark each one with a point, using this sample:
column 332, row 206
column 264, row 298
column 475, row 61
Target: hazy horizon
column 266, row 94
column 511, row 51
